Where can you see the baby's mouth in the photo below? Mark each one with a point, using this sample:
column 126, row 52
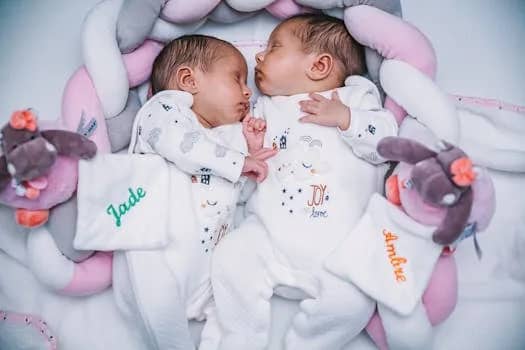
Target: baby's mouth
column 245, row 107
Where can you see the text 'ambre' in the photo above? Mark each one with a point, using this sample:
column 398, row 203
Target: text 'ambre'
column 395, row 260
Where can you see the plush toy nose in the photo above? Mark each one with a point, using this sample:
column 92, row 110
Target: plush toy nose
column 32, row 159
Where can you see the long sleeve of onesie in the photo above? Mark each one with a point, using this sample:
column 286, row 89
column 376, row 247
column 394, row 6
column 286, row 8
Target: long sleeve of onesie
column 369, row 122
column 169, row 127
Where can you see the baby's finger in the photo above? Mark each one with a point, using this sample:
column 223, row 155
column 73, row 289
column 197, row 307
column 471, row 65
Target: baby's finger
column 251, row 175
column 262, row 176
column 257, row 169
column 265, row 153
column 310, row 118
column 335, row 96
column 247, row 119
column 259, row 125
column 317, row 97
column 263, row 171
column 310, row 107
column 252, row 122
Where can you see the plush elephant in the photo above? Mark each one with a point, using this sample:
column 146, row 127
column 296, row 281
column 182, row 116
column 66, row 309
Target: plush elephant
column 442, row 179
column 443, row 189
column 28, row 155
column 439, row 188
column 84, row 119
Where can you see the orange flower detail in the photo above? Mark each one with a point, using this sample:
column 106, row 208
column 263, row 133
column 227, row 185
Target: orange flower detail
column 461, row 168
column 23, row 120
column 32, row 193
column 392, row 190
column 448, row 250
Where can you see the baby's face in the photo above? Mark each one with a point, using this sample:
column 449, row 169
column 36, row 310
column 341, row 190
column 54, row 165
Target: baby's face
column 281, row 68
column 223, row 96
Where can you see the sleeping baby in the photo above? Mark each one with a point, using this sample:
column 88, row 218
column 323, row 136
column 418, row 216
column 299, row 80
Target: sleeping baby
column 193, row 122
column 325, row 119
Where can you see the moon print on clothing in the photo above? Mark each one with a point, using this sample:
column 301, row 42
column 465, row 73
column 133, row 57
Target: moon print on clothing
column 302, row 161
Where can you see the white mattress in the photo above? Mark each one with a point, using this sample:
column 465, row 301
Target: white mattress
column 480, row 51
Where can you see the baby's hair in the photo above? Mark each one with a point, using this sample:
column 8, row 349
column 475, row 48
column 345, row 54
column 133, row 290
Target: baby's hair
column 195, row 51
column 321, row 33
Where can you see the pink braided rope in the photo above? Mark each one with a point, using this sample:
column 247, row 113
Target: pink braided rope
column 489, row 102
column 35, row 322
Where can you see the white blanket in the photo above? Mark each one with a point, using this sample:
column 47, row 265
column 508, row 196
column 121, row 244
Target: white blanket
column 123, row 202
column 388, row 255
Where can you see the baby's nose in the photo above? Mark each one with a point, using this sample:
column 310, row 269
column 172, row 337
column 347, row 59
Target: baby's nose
column 247, row 92
column 259, row 57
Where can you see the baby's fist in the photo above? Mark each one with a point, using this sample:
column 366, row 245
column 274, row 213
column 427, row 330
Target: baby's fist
column 254, row 130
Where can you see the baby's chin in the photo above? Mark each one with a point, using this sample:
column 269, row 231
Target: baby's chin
column 265, row 89
column 273, row 90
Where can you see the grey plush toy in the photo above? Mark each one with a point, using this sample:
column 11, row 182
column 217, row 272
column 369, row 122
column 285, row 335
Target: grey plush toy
column 28, row 153
column 442, row 179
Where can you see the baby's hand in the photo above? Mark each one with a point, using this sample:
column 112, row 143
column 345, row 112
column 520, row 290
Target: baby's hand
column 255, row 169
column 254, row 130
column 323, row 111
column 255, row 166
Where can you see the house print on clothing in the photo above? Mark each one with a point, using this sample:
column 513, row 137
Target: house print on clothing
column 281, row 141
column 205, row 176
column 205, row 179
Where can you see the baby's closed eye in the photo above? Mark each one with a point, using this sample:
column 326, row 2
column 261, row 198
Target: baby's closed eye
column 273, row 45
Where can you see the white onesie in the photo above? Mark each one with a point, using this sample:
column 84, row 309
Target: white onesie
column 316, row 191
column 171, row 285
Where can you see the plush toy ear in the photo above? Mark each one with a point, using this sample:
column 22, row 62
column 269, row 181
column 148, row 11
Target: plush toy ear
column 70, row 144
column 455, row 220
column 403, row 150
column 433, row 184
column 5, row 177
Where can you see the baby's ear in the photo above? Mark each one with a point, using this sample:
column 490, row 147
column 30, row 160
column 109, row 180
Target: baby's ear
column 321, row 66
column 185, row 80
